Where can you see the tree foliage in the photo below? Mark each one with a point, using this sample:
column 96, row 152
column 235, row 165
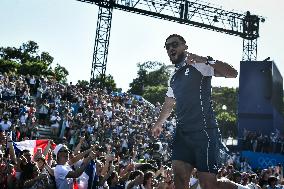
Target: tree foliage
column 83, row 83
column 108, row 82
column 151, row 82
column 27, row 60
column 46, row 58
column 225, row 108
column 33, row 68
column 60, row 73
column 155, row 93
column 8, row 66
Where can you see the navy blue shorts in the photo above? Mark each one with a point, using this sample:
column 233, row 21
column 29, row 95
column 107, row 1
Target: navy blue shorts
column 199, row 149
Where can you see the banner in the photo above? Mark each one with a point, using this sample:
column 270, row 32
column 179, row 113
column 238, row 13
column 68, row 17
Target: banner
column 262, row 160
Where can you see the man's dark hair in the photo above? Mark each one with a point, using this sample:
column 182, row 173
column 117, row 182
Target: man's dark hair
column 134, row 174
column 178, row 36
column 26, row 150
column 147, row 175
column 271, row 179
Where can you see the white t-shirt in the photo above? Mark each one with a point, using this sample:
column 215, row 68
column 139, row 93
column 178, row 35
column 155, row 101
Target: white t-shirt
column 104, row 186
column 193, row 181
column 124, row 143
column 83, row 181
column 43, row 109
column 55, row 121
column 252, row 186
column 108, row 114
column 60, row 173
column 5, row 126
column 134, row 187
column 23, row 118
column 32, row 81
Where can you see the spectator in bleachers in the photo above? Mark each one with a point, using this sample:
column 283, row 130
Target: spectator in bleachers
column 90, row 118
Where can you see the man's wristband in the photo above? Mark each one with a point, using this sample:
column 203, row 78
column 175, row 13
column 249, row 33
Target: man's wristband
column 210, row 61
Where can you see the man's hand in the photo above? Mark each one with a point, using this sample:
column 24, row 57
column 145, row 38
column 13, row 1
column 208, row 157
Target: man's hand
column 156, row 130
column 130, row 167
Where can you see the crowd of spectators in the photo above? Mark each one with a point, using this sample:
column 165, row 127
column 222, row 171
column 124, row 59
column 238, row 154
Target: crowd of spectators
column 98, row 139
column 258, row 142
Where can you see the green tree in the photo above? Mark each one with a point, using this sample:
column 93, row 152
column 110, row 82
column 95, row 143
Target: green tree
column 61, row 73
column 46, row 58
column 109, row 82
column 151, row 82
column 30, row 47
column 225, row 106
column 7, row 66
column 227, row 124
column 33, row 68
column 10, row 53
column 27, row 52
column 27, row 60
column 155, row 93
column 83, row 83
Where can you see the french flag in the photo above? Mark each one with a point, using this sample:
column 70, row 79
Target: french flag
column 31, row 145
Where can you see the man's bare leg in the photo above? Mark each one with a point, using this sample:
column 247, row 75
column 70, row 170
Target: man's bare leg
column 182, row 172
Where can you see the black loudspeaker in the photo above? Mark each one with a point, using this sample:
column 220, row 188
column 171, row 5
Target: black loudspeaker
column 277, row 89
column 260, row 96
column 255, row 88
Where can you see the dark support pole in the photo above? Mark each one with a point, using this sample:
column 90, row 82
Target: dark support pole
column 101, row 46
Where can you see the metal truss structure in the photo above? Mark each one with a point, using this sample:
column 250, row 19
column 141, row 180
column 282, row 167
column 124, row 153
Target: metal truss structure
column 202, row 15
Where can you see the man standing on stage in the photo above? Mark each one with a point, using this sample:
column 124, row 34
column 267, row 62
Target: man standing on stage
column 195, row 144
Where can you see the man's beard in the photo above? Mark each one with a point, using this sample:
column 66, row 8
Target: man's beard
column 179, row 59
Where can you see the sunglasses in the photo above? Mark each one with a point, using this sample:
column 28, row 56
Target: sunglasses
column 173, row 45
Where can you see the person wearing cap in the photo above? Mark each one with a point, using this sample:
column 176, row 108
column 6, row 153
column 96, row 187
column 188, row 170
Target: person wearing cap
column 272, row 183
column 135, row 180
column 5, row 124
column 63, row 172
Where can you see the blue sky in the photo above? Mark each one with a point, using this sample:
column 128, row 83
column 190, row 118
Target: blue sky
column 66, row 29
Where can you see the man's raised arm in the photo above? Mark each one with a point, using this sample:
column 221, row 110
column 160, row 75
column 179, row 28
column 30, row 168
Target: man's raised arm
column 221, row 69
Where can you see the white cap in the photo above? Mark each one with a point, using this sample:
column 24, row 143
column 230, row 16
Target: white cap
column 57, row 148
